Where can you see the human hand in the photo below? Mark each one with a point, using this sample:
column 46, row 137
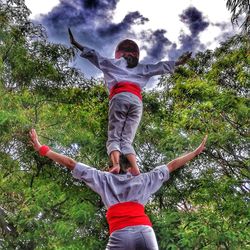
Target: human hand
column 73, row 41
column 34, row 139
column 183, row 58
column 71, row 37
column 201, row 147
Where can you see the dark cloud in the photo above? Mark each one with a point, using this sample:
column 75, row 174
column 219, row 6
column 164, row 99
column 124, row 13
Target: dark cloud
column 158, row 46
column 194, row 20
column 83, row 11
column 196, row 24
column 125, row 25
column 155, row 43
column 91, row 22
column 92, row 25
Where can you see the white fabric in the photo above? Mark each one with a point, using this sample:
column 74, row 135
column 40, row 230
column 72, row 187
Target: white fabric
column 115, row 70
column 116, row 188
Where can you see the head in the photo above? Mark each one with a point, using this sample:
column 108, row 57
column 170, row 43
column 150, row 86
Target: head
column 124, row 165
column 129, row 50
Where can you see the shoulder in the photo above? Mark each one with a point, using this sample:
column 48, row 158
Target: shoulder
column 82, row 170
column 161, row 173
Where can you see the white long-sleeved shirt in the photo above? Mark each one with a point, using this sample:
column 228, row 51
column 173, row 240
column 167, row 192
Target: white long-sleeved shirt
column 117, row 188
column 116, row 70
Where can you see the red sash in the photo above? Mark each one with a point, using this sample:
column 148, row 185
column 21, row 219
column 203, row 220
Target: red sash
column 126, row 214
column 125, row 87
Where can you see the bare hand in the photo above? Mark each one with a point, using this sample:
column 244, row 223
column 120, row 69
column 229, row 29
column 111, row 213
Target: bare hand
column 183, row 58
column 71, row 37
column 73, row 41
column 34, row 139
column 198, row 150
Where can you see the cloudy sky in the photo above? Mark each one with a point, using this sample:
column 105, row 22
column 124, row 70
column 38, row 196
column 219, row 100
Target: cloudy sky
column 163, row 29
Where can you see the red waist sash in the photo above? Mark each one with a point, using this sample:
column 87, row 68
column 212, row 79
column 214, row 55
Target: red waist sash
column 125, row 87
column 126, row 214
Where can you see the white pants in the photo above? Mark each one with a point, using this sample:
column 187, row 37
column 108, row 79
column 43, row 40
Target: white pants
column 133, row 238
column 125, row 113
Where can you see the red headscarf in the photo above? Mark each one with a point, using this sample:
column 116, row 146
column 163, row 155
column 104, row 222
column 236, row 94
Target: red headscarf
column 128, row 46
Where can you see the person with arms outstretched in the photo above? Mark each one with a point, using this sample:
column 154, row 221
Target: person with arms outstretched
column 125, row 78
column 124, row 195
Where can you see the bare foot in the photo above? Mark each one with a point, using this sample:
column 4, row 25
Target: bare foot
column 134, row 171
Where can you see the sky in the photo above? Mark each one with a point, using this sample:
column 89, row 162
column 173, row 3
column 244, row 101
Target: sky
column 163, row 29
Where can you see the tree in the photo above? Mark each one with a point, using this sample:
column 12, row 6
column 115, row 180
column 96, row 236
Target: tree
column 204, row 200
column 205, row 205
column 240, row 10
column 36, row 83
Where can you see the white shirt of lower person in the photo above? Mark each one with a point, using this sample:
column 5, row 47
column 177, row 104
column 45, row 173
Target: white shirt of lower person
column 117, row 188
column 116, row 70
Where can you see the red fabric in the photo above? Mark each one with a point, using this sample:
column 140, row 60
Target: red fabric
column 43, row 150
column 126, row 214
column 125, row 87
column 127, row 45
column 120, row 53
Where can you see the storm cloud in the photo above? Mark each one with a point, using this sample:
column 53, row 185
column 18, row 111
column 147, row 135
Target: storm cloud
column 196, row 24
column 155, row 43
column 194, row 20
column 129, row 20
column 158, row 46
column 92, row 23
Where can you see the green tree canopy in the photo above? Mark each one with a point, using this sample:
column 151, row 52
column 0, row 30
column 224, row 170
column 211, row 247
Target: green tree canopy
column 203, row 206
column 240, row 10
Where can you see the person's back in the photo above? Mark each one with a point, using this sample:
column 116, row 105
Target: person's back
column 117, row 188
column 125, row 195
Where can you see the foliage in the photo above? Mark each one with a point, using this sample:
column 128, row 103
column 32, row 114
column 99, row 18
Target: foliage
column 240, row 10
column 202, row 206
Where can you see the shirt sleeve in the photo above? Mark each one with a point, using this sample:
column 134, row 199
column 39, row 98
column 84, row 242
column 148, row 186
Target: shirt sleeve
column 92, row 177
column 159, row 68
column 155, row 179
column 93, row 56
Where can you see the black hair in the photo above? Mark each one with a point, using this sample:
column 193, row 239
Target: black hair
column 131, row 61
column 124, row 164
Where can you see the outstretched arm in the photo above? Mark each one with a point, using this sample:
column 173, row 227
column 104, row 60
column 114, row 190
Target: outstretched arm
column 88, row 53
column 59, row 158
column 182, row 160
column 73, row 41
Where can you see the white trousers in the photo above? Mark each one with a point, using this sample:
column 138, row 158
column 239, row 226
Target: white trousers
column 125, row 113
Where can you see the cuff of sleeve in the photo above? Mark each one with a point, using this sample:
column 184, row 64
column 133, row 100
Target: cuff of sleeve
column 165, row 171
column 77, row 171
